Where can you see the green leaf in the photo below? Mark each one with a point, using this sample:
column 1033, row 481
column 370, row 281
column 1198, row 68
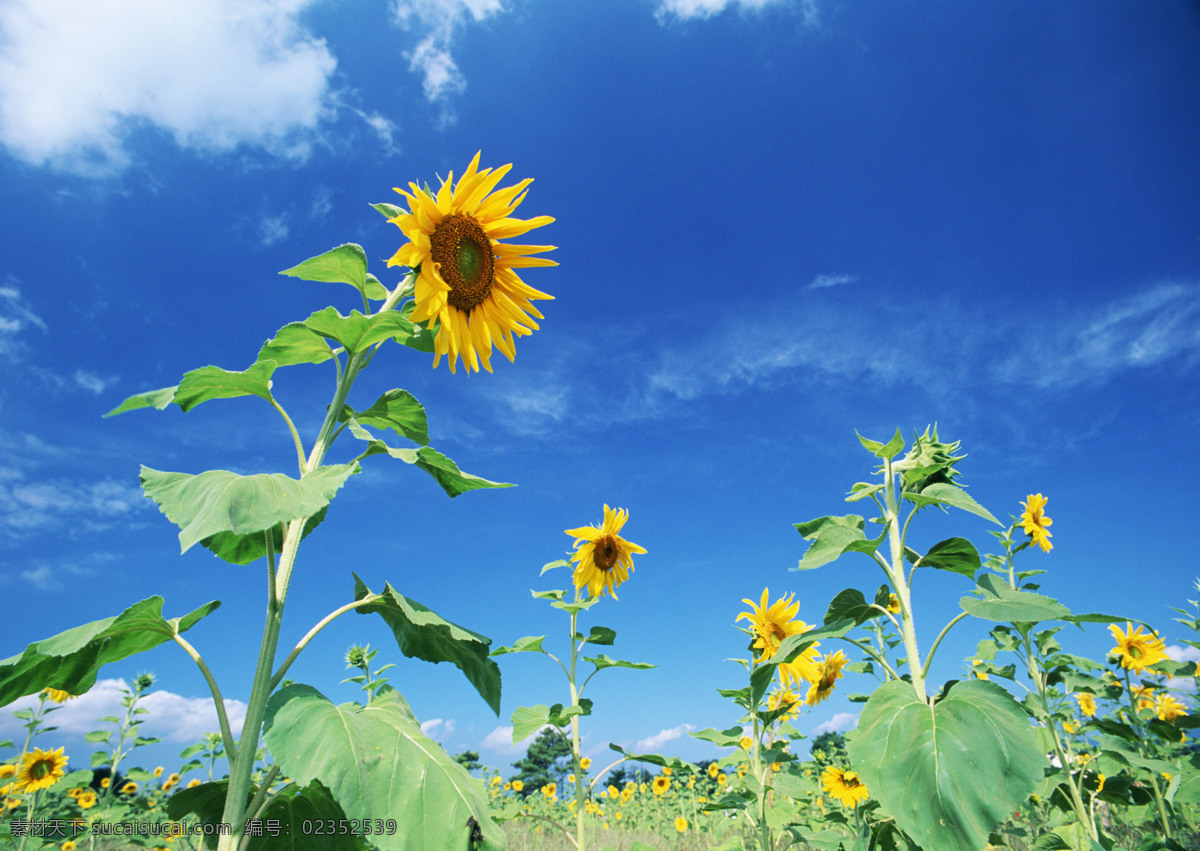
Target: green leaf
column 397, row 410
column 389, row 211
column 220, row 501
column 949, row 772
column 832, row 536
column 70, row 660
column 851, row 603
column 958, row 555
column 423, row 634
column 212, row 382
column 551, row 565
column 415, row 335
column 357, row 331
column 601, row 662
column 293, row 344
column 527, row 720
column 672, row 762
column 1002, row 603
column 245, row 549
column 444, row 471
column 158, row 399
column 942, row 493
column 346, row 264
column 376, row 763
column 529, row 644
column 721, row 738
column 602, row 636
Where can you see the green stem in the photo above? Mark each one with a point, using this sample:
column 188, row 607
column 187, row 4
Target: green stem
column 292, row 428
column 938, row 640
column 875, row 655
column 218, row 701
column 579, row 807
column 312, row 633
column 896, row 574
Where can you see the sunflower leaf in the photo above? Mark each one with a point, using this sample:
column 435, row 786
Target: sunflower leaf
column 551, row 565
column 70, row 660
column 388, row 211
column 602, row 661
column 377, row 764
column 721, row 738
column 601, row 636
column 397, row 410
column 157, row 399
column 219, row 501
column 941, row 493
column 833, row 536
column 246, row 549
column 415, row 335
column 958, row 555
column 357, row 331
column 527, row 720
column 295, row 343
column 851, row 603
column 212, row 382
column 1001, row 603
column 528, row 644
column 423, row 634
column 672, row 762
column 346, row 264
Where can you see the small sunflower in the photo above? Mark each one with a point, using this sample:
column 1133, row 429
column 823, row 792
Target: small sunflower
column 57, row 695
column 661, row 784
column 129, row 788
column 585, row 763
column 713, row 771
column 1035, row 523
column 69, row 845
column 784, row 697
column 87, row 800
column 893, row 605
column 465, row 279
column 193, row 783
column 1087, row 704
column 517, row 786
column 1137, row 651
column 722, row 779
column 844, row 786
column 831, row 671
column 681, row 824
column 772, row 623
column 1168, row 708
column 606, row 559
column 40, row 769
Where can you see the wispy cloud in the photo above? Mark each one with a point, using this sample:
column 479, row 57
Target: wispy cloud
column 436, row 22
column 27, row 507
column 78, row 77
column 172, row 717
column 688, row 9
column 653, row 743
column 16, row 316
column 272, row 229
column 822, row 281
column 839, row 723
column 438, row 728
column 500, row 742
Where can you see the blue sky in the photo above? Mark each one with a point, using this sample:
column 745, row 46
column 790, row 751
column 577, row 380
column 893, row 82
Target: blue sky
column 777, row 222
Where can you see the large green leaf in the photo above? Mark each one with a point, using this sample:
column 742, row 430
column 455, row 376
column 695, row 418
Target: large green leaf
column 376, row 763
column 212, row 382
column 444, row 471
column 949, row 772
column 423, row 634
column 1001, row 603
column 244, row 549
column 957, row 555
column 942, row 493
column 70, row 660
column 397, row 410
column 851, row 603
column 220, row 501
column 295, row 343
column 346, row 264
column 832, row 536
column 358, row 331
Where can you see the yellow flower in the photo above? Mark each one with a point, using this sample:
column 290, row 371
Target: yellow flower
column 830, row 672
column 1071, row 728
column 129, row 788
column 661, row 785
column 6, row 771
column 517, row 786
column 104, row 782
column 681, row 824
column 57, row 695
column 1100, row 782
column 667, row 771
column 1035, row 523
column 844, row 786
column 893, row 605
column 158, row 771
column 69, row 845
column 192, row 783
column 571, row 777
column 1087, row 704
column 713, row 771
column 466, row 281
column 784, row 697
column 585, row 763
column 497, row 780
column 1168, row 708
column 40, row 770
column 87, row 800
column 979, row 674
column 722, row 779
column 745, row 743
column 606, row 559
column 1143, row 696
column 550, row 789
column 612, row 792
column 772, row 623
column 1136, row 650
column 74, row 793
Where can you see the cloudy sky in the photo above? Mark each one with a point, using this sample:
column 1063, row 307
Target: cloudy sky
column 778, row 222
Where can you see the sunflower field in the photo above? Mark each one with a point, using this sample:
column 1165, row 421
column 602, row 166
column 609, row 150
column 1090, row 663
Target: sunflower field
column 1034, row 747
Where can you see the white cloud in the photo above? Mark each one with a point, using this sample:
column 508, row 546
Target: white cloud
column 839, row 723
column 438, row 728
column 272, row 229
column 78, row 76
column 171, row 717
column 653, row 743
column 688, row 9
column 91, row 382
column 822, row 281
column 16, row 315
column 30, row 506
column 499, row 741
column 322, row 203
column 438, row 20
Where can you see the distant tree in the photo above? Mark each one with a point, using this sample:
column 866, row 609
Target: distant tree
column 544, row 762
column 829, row 749
column 468, row 760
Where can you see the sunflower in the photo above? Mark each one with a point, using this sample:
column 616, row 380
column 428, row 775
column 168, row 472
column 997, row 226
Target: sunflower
column 606, row 559
column 1035, row 523
column 1087, row 704
column 784, row 697
column 57, row 695
column 87, row 800
column 772, row 623
column 129, row 788
column 1168, row 708
column 661, row 784
column 69, row 845
column 681, row 824
column 517, row 785
column 1137, row 651
column 465, row 279
column 893, row 605
column 40, row 769
column 830, row 672
column 844, row 786
column 713, row 771
column 585, row 763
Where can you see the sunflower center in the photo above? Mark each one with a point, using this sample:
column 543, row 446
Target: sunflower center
column 39, row 769
column 1134, row 651
column 850, row 779
column 463, row 254
column 606, row 553
column 776, row 631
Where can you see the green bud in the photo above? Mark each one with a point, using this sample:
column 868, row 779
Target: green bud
column 929, row 462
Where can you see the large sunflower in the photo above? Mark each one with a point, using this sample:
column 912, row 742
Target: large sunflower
column 40, row 769
column 772, row 623
column 606, row 559
column 844, row 786
column 466, row 281
column 1137, row 650
column 1035, row 523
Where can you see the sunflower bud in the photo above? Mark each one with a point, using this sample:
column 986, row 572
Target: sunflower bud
column 356, row 657
column 928, row 462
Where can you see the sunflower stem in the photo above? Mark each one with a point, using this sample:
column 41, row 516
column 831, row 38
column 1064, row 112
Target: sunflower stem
column 579, row 807
column 896, row 574
column 218, row 701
